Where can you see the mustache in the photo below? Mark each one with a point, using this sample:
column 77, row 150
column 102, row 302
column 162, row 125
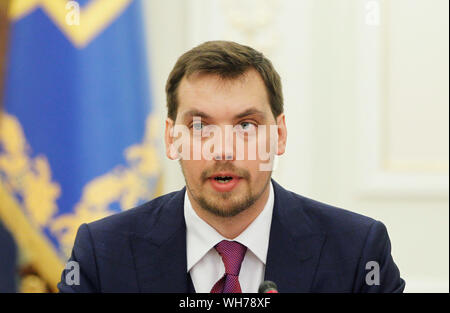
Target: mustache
column 225, row 167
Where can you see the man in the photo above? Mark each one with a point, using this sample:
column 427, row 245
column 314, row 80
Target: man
column 232, row 226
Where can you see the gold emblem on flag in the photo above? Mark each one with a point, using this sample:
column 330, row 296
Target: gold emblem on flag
column 94, row 17
column 29, row 195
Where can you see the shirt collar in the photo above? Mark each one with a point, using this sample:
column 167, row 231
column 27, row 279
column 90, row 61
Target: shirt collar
column 201, row 237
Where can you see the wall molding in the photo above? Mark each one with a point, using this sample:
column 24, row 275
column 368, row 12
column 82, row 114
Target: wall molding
column 376, row 175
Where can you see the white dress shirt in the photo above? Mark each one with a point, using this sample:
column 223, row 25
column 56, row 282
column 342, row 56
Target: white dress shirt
column 204, row 263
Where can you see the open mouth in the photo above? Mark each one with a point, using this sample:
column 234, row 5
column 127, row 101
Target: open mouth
column 224, row 182
column 223, row 179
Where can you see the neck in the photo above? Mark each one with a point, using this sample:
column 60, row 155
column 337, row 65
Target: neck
column 231, row 227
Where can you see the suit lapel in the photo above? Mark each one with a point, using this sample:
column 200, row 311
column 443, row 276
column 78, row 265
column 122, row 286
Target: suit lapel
column 159, row 248
column 294, row 245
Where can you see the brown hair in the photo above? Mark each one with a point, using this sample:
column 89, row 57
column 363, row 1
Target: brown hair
column 229, row 60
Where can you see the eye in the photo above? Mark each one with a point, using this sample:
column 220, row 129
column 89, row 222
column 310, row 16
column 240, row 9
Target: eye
column 198, row 126
column 247, row 126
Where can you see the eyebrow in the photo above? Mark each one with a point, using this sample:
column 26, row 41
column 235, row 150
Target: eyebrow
column 250, row 111
column 192, row 113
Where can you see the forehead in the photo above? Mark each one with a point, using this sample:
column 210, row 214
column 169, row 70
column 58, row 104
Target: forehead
column 222, row 98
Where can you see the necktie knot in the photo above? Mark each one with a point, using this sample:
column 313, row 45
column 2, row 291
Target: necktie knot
column 232, row 253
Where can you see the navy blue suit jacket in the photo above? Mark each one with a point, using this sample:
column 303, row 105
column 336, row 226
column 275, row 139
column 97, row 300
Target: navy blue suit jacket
column 313, row 247
column 7, row 261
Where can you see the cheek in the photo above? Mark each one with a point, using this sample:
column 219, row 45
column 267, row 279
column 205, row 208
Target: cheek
column 252, row 167
column 192, row 169
column 261, row 143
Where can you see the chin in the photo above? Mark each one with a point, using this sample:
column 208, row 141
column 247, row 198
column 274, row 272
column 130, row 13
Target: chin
column 226, row 207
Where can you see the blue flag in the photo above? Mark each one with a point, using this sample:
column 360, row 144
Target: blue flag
column 77, row 137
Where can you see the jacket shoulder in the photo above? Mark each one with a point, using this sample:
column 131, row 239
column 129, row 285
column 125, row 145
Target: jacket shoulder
column 346, row 232
column 315, row 216
column 352, row 242
column 331, row 219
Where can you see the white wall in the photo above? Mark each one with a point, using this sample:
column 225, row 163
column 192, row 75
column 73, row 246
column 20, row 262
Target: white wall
column 366, row 101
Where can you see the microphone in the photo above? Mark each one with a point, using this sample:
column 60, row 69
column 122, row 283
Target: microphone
column 268, row 286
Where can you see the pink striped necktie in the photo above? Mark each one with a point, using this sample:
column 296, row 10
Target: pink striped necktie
column 232, row 254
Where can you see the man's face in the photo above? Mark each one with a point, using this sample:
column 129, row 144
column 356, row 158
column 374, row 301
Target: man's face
column 228, row 176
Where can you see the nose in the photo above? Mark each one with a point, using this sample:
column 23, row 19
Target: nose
column 225, row 149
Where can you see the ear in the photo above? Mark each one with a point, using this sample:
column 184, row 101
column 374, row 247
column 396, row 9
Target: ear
column 282, row 134
column 168, row 139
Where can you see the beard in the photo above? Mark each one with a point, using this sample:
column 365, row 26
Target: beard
column 225, row 204
column 218, row 208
